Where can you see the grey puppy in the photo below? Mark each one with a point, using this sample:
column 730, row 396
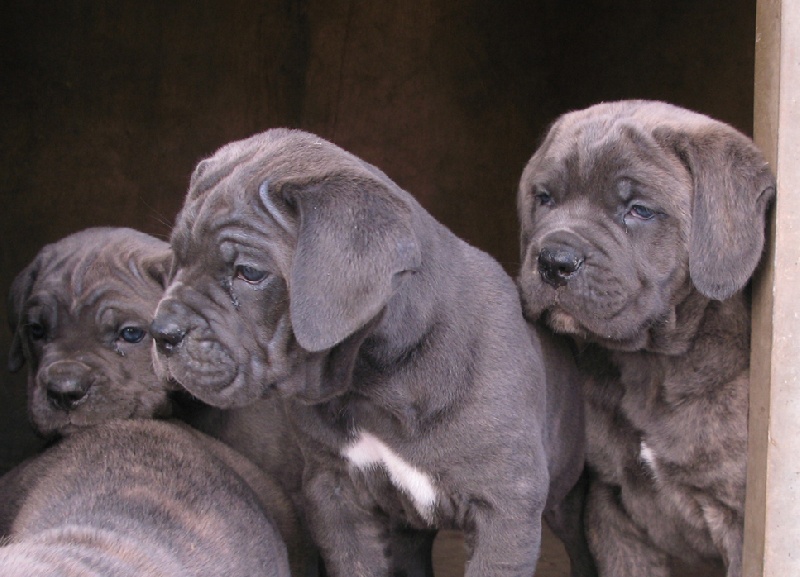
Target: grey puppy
column 80, row 313
column 415, row 388
column 136, row 497
column 641, row 224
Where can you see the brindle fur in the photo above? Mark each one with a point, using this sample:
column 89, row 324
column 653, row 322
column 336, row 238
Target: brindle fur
column 641, row 225
column 369, row 316
column 138, row 497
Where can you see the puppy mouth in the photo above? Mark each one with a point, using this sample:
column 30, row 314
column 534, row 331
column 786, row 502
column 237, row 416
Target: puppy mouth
column 585, row 306
column 52, row 421
column 67, row 428
column 107, row 398
column 563, row 322
column 50, row 424
column 568, row 312
column 205, row 368
column 198, row 376
column 59, row 402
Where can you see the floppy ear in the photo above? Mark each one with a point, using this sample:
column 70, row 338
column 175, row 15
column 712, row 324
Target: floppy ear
column 733, row 187
column 157, row 266
column 328, row 374
column 354, row 238
column 20, row 291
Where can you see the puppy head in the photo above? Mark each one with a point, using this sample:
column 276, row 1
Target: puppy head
column 286, row 250
column 629, row 207
column 79, row 314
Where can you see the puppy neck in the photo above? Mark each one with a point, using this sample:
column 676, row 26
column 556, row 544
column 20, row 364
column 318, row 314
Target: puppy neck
column 675, row 333
column 712, row 351
column 693, row 316
column 421, row 297
column 428, row 329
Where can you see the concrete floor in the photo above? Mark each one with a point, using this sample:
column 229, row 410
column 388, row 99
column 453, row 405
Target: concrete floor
column 448, row 558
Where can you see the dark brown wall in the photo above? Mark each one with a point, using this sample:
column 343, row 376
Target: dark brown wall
column 107, row 105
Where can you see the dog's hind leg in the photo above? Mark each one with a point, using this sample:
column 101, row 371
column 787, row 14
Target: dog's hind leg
column 502, row 546
column 567, row 523
column 619, row 548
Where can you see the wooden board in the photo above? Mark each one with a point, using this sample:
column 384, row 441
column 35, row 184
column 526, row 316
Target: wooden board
column 772, row 518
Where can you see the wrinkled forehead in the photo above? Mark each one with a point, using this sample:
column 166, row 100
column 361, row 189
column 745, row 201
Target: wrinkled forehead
column 592, row 148
column 93, row 294
column 224, row 188
column 276, row 155
column 81, row 278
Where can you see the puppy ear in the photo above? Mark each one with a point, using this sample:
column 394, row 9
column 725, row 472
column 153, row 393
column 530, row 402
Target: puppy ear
column 328, row 374
column 157, row 266
column 733, row 187
column 20, row 292
column 354, row 238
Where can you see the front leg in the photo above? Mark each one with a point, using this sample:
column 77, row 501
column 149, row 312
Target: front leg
column 352, row 539
column 726, row 526
column 566, row 520
column 619, row 547
column 733, row 556
column 502, row 544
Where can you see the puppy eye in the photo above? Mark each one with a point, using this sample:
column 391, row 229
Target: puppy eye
column 641, row 212
column 36, row 331
column 250, row 274
column 132, row 334
column 543, row 197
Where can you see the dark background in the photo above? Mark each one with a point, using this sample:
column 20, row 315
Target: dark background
column 106, row 106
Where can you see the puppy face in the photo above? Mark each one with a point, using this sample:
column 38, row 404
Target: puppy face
column 224, row 326
column 627, row 208
column 80, row 313
column 286, row 247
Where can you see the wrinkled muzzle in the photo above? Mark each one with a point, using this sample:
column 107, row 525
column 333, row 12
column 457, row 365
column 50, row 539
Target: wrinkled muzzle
column 554, row 266
column 65, row 383
column 187, row 350
column 559, row 258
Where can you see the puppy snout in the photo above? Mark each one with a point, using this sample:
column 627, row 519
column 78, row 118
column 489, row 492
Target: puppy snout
column 558, row 264
column 66, row 384
column 167, row 333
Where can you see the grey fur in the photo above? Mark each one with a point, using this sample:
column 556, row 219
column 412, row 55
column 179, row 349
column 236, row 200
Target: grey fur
column 84, row 290
column 641, row 224
column 372, row 317
column 137, row 497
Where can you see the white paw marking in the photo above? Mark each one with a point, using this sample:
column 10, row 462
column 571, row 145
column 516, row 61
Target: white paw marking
column 648, row 458
column 367, row 451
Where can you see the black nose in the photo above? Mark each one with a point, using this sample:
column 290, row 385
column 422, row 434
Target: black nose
column 66, row 391
column 167, row 334
column 558, row 264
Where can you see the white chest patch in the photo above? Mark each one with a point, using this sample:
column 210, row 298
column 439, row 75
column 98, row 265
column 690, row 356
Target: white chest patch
column 367, row 451
column 648, row 458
